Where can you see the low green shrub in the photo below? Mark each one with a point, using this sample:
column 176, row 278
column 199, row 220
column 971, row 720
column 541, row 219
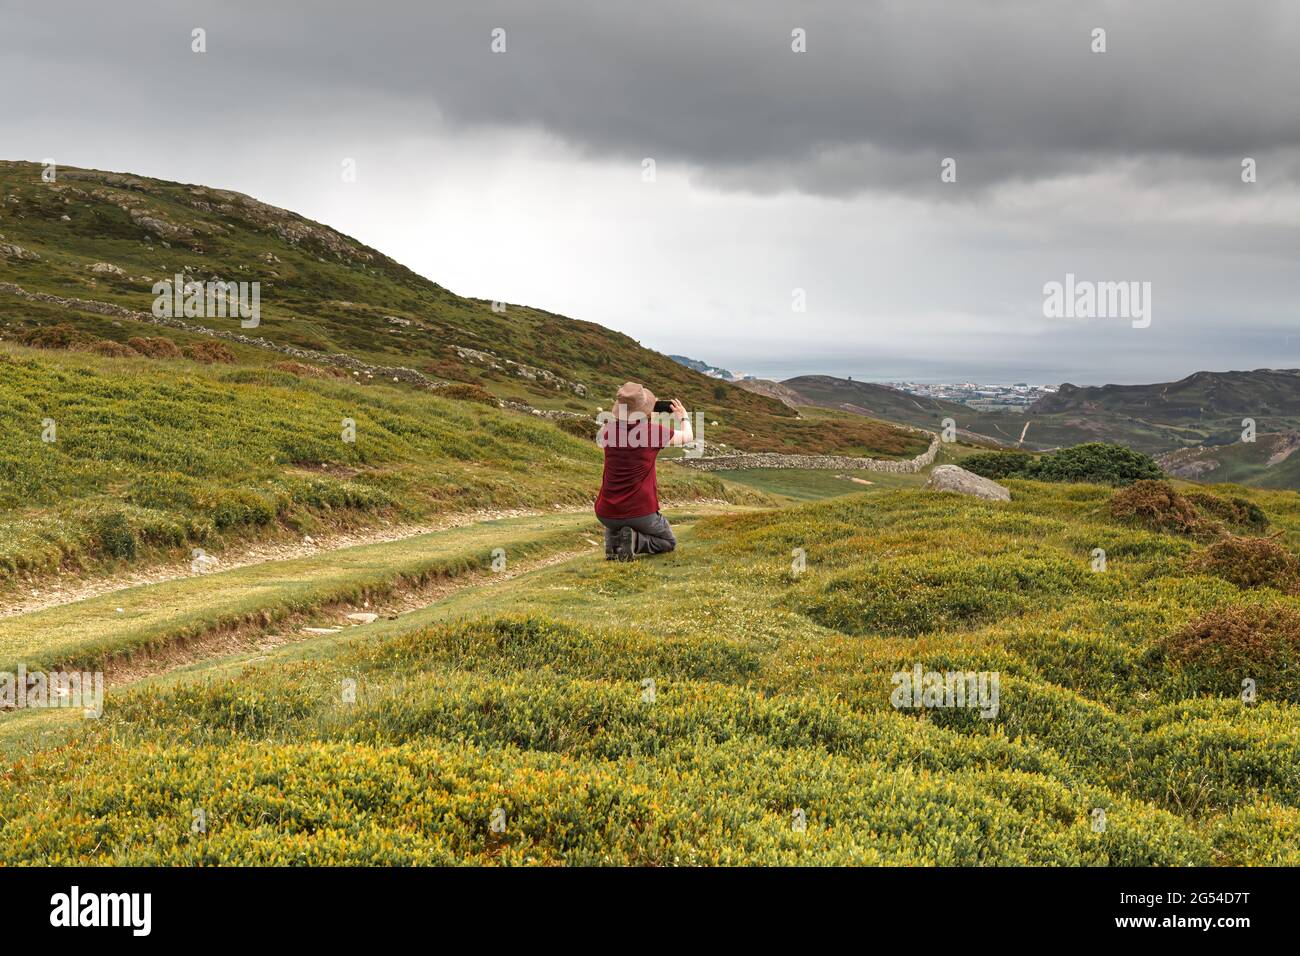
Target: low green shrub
column 116, row 537
column 1201, row 756
column 938, row 591
column 467, row 392
column 586, row 428
column 1095, row 462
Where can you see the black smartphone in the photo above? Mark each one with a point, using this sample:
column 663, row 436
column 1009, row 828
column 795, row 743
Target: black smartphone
column 663, row 405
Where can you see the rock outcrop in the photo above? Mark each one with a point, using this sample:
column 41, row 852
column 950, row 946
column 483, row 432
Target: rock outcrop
column 963, row 482
column 9, row 250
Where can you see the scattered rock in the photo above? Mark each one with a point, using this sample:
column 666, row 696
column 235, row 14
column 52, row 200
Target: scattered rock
column 321, row 630
column 107, row 267
column 963, row 482
column 11, row 251
column 363, row 618
column 160, row 227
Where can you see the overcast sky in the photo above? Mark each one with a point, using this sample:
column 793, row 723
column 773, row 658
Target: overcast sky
column 519, row 175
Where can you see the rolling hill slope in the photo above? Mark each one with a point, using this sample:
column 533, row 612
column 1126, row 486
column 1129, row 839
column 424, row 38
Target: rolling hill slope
column 1194, row 424
column 108, row 237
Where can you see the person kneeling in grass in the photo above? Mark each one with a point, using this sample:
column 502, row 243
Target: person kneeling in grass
column 628, row 503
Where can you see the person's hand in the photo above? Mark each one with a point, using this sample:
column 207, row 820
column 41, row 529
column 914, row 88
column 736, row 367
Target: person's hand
column 679, row 410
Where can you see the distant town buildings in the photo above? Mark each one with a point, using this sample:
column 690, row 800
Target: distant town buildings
column 1015, row 398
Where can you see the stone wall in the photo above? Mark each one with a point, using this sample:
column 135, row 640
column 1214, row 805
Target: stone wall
column 832, row 462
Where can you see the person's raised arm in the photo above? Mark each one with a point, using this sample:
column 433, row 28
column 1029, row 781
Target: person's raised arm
column 682, row 434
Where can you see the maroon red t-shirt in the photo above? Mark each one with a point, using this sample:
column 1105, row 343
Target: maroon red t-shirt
column 628, row 488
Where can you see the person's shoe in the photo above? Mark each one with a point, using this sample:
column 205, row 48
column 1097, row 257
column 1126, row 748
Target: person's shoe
column 626, row 543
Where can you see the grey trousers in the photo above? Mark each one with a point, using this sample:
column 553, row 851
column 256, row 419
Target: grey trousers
column 652, row 533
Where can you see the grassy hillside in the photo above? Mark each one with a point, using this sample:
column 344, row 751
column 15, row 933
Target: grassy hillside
column 326, row 292
column 612, row 722
column 1268, row 462
column 156, row 456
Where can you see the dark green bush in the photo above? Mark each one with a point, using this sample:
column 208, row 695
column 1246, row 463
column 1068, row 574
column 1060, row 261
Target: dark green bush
column 1095, row 462
column 999, row 464
column 580, row 427
column 116, row 536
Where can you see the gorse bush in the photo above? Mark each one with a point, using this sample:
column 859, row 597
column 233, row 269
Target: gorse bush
column 107, row 349
column 209, row 352
column 155, row 347
column 584, row 428
column 465, row 392
column 61, row 336
column 1219, row 650
column 1095, row 462
column 1249, row 563
column 116, row 536
column 1157, row 506
column 1237, row 513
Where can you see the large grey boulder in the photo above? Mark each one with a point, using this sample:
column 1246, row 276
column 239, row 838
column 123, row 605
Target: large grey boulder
column 963, row 482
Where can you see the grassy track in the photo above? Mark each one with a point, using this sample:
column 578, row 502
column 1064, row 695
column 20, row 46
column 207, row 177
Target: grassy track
column 150, row 616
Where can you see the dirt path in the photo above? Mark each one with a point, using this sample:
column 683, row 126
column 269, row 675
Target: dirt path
column 56, row 591
column 332, row 618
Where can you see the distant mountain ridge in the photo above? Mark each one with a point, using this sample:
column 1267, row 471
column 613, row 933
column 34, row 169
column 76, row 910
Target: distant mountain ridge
column 713, row 371
column 1200, row 426
column 1259, row 392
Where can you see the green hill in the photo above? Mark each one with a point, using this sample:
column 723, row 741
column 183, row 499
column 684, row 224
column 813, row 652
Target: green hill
column 108, row 237
column 408, row 699
column 1268, row 462
column 1203, row 408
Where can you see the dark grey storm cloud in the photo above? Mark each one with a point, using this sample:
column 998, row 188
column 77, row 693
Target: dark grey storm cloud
column 1010, row 88
column 517, row 175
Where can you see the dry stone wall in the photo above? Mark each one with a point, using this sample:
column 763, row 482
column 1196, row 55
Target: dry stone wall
column 830, row 462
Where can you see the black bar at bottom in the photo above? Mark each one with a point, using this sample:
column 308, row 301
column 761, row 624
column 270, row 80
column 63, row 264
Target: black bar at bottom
column 302, row 906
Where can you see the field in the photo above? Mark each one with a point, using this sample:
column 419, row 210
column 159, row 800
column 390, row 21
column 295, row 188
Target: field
column 719, row 705
column 152, row 458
